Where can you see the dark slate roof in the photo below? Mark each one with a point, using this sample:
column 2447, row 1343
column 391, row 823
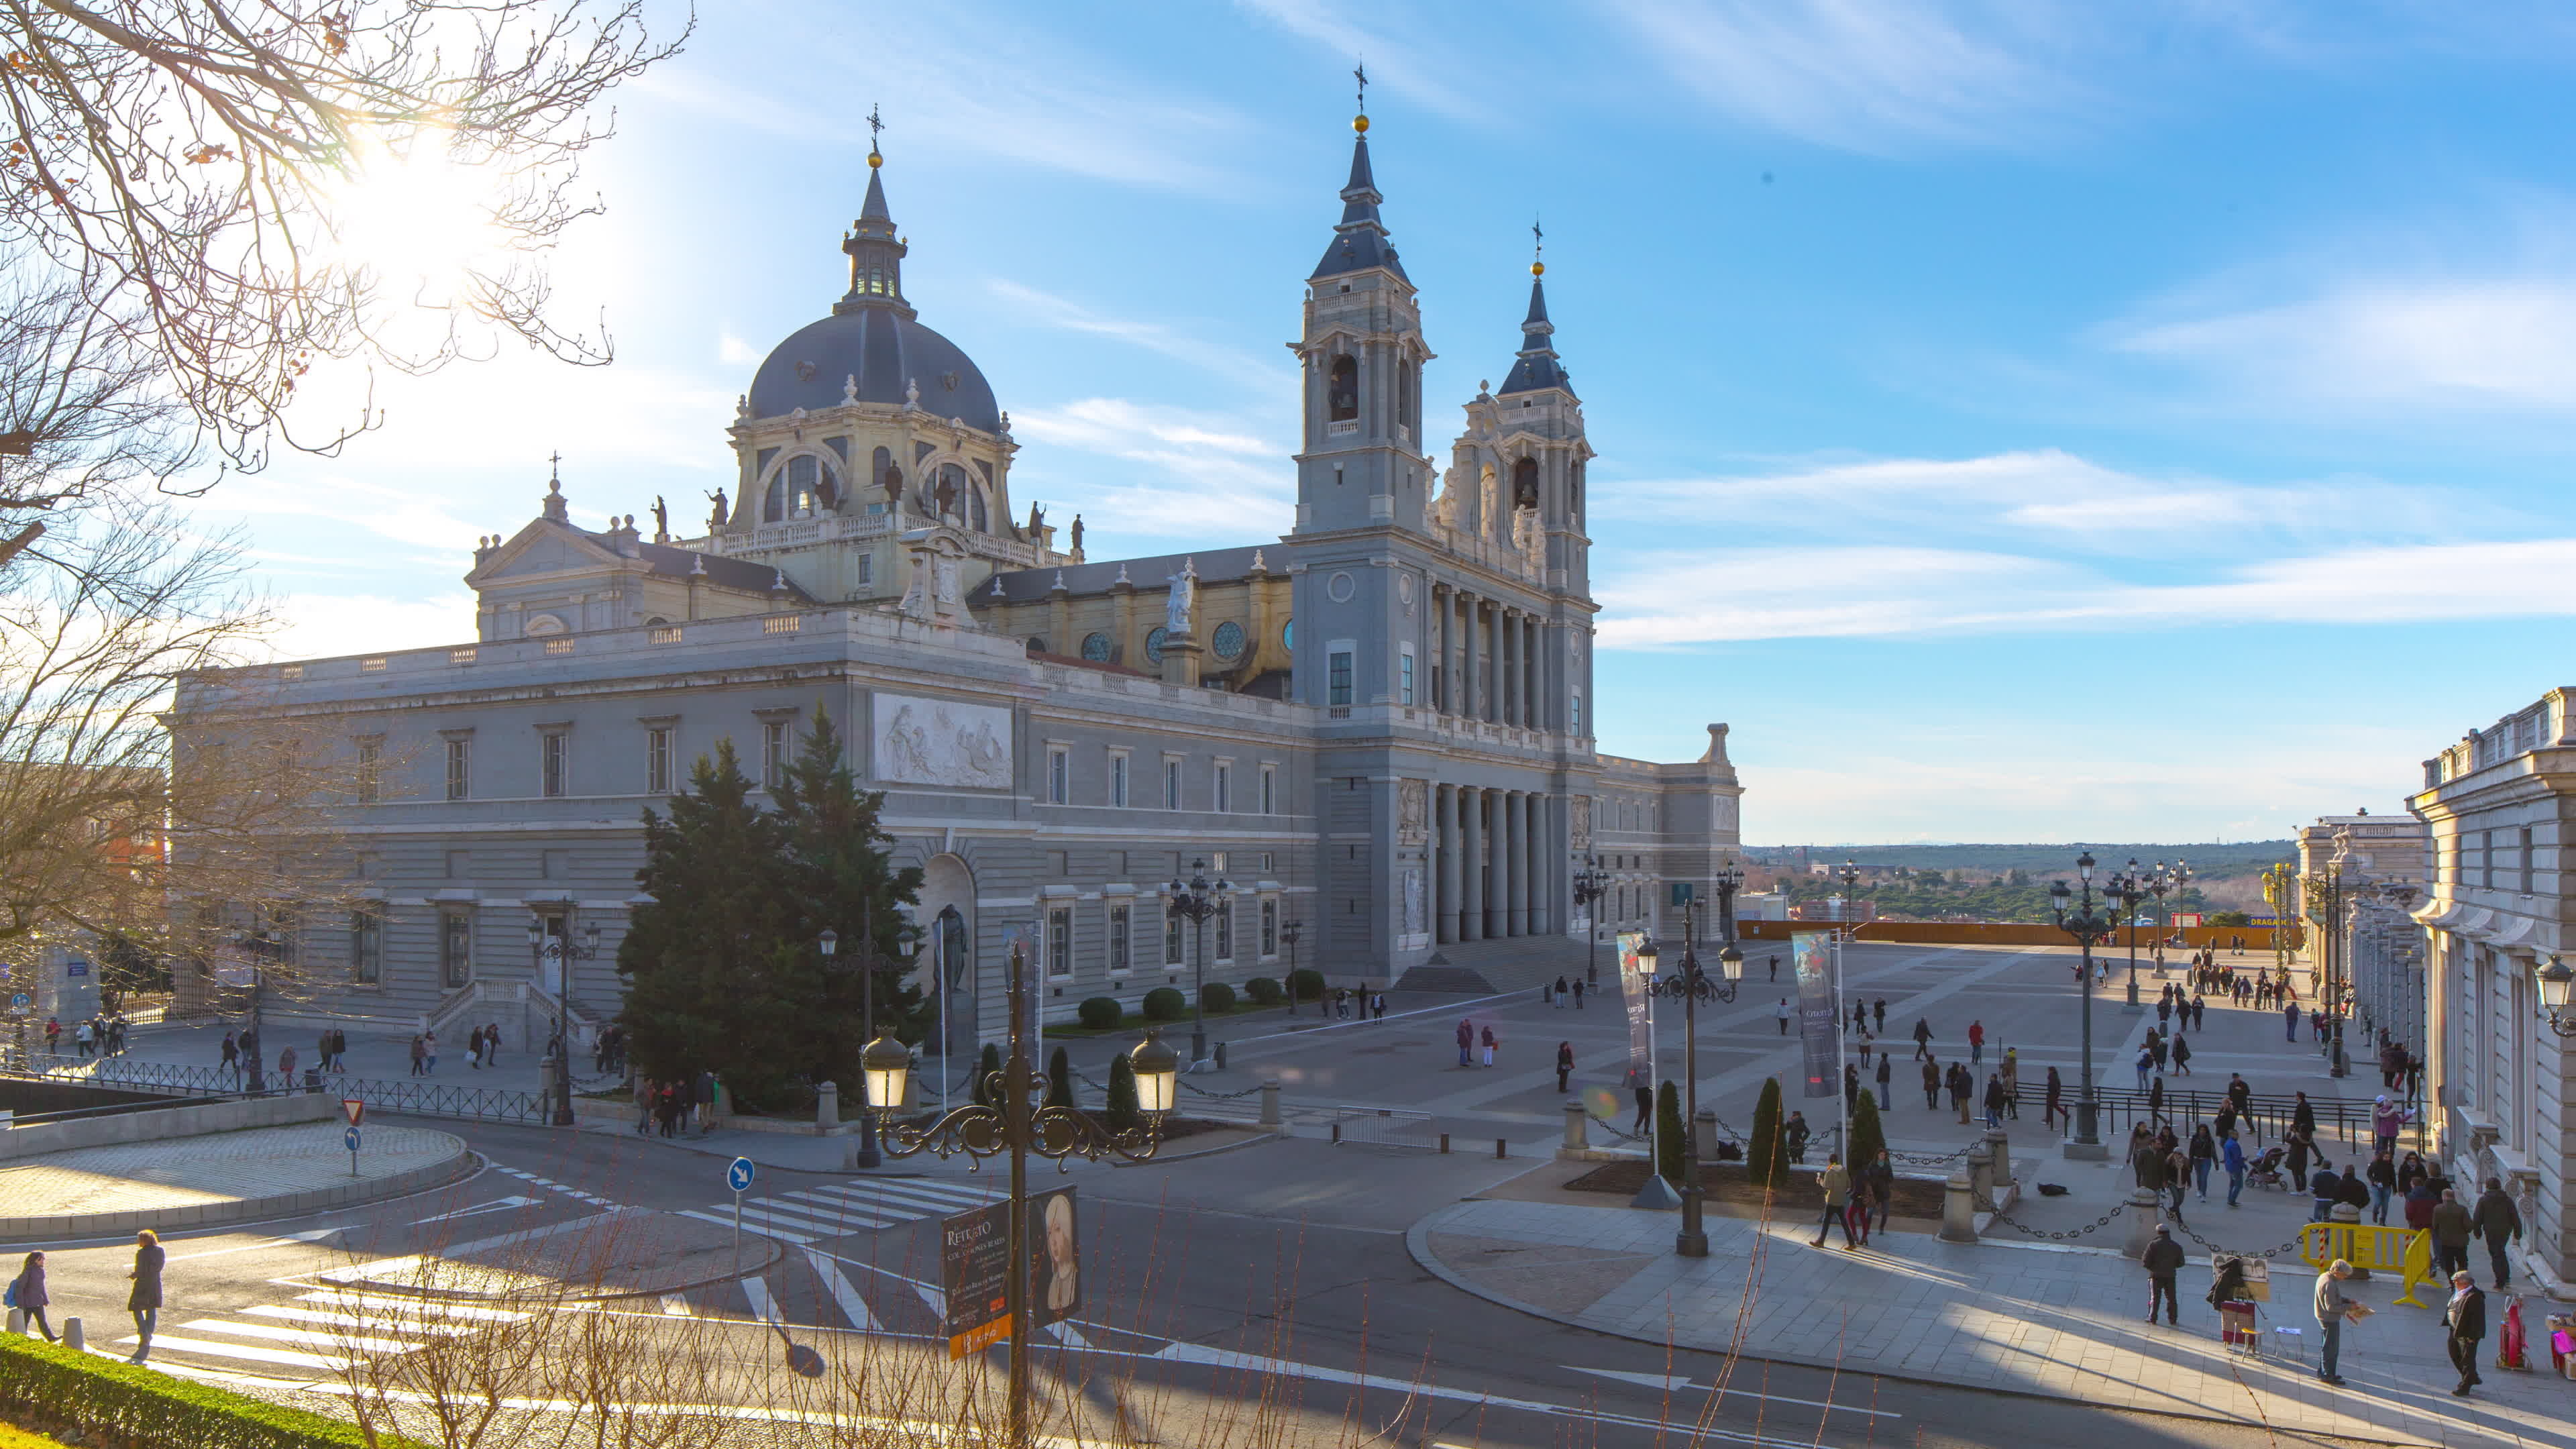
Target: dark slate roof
column 1218, row 565
column 1537, row 367
column 729, row 573
column 885, row 351
column 1359, row 242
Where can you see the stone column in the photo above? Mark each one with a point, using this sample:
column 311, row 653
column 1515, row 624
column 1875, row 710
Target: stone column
column 1471, row 855
column 1444, row 833
column 1498, row 874
column 1544, row 859
column 1517, row 804
column 1507, row 664
column 1181, row 660
column 1534, row 711
column 1452, row 644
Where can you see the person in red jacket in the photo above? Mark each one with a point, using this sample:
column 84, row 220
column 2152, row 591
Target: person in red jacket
column 1976, row 1041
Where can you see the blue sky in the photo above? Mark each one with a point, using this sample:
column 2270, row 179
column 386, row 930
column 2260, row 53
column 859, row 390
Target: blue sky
column 2019, row 421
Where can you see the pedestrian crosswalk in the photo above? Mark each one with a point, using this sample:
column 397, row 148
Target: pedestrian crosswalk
column 551, row 1185
column 327, row 1332
column 816, row 1214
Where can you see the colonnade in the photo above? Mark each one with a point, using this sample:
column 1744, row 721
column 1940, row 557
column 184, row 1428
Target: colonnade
column 1491, row 664
column 1493, row 871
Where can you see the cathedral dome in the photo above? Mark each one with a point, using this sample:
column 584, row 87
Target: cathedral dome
column 886, row 352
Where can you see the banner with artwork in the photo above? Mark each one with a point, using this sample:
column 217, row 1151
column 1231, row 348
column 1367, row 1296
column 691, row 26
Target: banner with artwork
column 1641, row 1029
column 1819, row 1012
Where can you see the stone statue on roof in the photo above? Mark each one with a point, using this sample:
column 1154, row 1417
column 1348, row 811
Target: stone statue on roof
column 661, row 520
column 1185, row 587
column 716, row 519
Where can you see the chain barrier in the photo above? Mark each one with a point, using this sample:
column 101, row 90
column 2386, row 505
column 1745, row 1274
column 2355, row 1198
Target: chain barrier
column 1101, row 1087
column 2216, row 1251
column 2094, row 1226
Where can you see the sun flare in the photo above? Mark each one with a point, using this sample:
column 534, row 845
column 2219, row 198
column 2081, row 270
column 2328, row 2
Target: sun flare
column 417, row 220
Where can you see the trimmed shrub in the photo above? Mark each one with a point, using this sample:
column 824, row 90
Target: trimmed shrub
column 1122, row 1110
column 979, row 1092
column 136, row 1405
column 1059, row 1080
column 1216, row 998
column 1100, row 1013
column 1867, row 1138
column 1308, row 984
column 1166, row 1003
column 1766, row 1158
column 1668, row 1134
column 1264, row 991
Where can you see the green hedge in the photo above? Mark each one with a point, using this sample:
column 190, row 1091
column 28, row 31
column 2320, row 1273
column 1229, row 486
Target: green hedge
column 1264, row 991
column 1166, row 1003
column 1216, row 998
column 145, row 1406
column 1308, row 983
column 1100, row 1013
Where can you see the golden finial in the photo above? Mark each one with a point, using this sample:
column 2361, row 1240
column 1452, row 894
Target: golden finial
column 1538, row 245
column 1359, row 122
column 875, row 125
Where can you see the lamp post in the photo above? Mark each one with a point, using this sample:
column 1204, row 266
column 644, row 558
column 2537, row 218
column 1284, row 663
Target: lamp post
column 2326, row 898
column 1018, row 1124
column 1692, row 985
column 1196, row 901
column 2158, row 885
column 1289, row 931
column 544, row 945
column 2129, row 888
column 1849, row 875
column 829, row 942
column 2556, row 980
column 1591, row 883
column 2088, row 925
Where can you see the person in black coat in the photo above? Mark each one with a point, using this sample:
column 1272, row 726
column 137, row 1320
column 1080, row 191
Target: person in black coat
column 2465, row 1320
column 30, row 1297
column 145, row 1301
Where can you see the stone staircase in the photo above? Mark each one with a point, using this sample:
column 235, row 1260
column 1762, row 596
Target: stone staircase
column 1511, row 963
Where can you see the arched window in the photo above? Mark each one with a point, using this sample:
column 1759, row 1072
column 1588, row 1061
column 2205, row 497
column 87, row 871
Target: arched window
column 1525, row 483
column 773, row 503
column 1405, row 381
column 1342, row 392
column 804, row 472
column 977, row 518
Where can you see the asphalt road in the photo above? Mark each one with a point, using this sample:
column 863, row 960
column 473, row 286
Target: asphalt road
column 1260, row 1290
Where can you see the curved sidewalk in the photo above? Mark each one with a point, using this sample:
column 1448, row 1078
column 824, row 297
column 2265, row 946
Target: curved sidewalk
column 2010, row 1318
column 221, row 1177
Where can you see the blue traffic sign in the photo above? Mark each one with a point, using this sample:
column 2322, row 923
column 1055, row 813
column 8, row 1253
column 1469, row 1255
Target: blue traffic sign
column 19, row 1001
column 738, row 1174
column 351, row 1139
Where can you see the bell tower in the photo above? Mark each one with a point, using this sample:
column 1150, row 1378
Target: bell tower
column 1361, row 463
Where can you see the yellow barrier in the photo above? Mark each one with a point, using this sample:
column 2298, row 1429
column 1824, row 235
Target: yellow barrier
column 2406, row 1251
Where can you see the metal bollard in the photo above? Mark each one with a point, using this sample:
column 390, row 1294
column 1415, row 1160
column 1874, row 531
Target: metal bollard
column 17, row 1321
column 1502, row 1147
column 1270, row 1104
column 1337, row 1132
column 75, row 1337
column 1959, row 1209
column 1220, row 1056
column 1577, row 1127
column 1444, row 1142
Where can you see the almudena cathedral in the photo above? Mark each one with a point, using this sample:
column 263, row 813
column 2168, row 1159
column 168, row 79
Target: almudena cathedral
column 1378, row 727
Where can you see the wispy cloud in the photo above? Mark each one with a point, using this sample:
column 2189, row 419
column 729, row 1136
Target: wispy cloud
column 1170, row 472
column 320, row 626
column 1044, row 309
column 1407, row 60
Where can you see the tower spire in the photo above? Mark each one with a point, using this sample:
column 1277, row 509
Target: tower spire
column 875, row 252
column 1536, row 367
column 1359, row 241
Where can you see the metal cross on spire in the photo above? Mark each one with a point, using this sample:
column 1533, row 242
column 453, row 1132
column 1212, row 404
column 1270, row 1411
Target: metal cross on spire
column 1538, row 240
column 1359, row 73
column 554, row 467
column 876, row 125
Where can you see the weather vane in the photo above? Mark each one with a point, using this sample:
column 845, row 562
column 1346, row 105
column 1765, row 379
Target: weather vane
column 876, row 125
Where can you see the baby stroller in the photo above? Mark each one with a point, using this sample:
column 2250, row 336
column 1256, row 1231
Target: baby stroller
column 2265, row 1171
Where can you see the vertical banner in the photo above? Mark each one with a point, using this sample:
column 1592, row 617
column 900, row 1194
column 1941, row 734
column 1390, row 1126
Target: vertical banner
column 1819, row 1014
column 975, row 1268
column 1641, row 1031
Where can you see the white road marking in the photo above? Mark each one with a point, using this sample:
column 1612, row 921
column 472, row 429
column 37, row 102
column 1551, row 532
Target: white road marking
column 852, row 1305
column 748, row 1225
column 423, row 1306
column 763, row 1307
column 310, row 1235
column 674, row 1306
column 1658, row 1381
column 497, row 1205
column 305, row 1336
column 286, row 1356
column 354, row 1320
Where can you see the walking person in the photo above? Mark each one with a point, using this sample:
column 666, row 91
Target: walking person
column 1931, row 1085
column 27, row 1294
column 1837, row 1187
column 2382, row 1176
column 1878, row 1015
column 232, row 1054
column 1794, row 1136
column 2464, row 1323
column 1962, row 1087
column 2498, row 1221
column 2055, row 1109
column 1489, row 1043
column 2204, row 1157
column 2231, row 1155
column 1564, row 1065
column 2162, row 1260
column 2452, row 1229
column 1782, row 1015
column 2290, row 1020
column 1886, row 1099
column 429, row 1050
column 1558, row 1000
column 1466, row 1041
column 1922, row 1038
column 2177, row 1176
column 2334, row 1308
column 1645, row 1107
column 2181, row 1057
column 144, row 1302
column 1377, row 1004
column 2012, row 1082
column 474, row 1050
column 2387, row 1119
column 54, row 1035
column 1994, row 1099
column 2146, row 1064
column 1976, row 1043
column 1775, row 967
column 416, row 1055
column 1578, row 996
column 1880, row 1177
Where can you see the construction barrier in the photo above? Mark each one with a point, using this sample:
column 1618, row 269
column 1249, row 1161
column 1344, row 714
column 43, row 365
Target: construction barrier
column 2407, row 1252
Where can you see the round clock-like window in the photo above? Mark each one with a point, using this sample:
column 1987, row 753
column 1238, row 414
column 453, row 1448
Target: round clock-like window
column 1229, row 640
column 1095, row 647
column 1288, row 636
column 1154, row 644
column 1339, row 588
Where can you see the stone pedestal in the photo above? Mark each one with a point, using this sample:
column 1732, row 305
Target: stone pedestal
column 1981, row 1171
column 827, row 1106
column 2142, row 1220
column 1704, row 1135
column 1959, row 1209
column 1999, row 1150
column 1577, row 1128
column 1180, row 659
column 1270, row 1106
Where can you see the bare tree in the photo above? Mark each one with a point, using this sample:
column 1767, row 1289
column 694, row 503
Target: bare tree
column 185, row 168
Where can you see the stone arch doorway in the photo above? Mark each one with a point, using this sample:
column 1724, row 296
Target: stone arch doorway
column 948, row 975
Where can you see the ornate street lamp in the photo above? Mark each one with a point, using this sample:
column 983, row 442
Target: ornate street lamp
column 1849, row 875
column 542, row 947
column 867, row 966
column 1290, row 931
column 1693, row 986
column 1018, row 1123
column 1591, row 883
column 2129, row 888
column 2556, row 979
column 1196, row 901
column 2088, row 924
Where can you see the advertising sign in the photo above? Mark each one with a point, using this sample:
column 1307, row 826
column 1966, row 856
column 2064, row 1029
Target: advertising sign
column 1641, row 1030
column 974, row 1269
column 1819, row 1012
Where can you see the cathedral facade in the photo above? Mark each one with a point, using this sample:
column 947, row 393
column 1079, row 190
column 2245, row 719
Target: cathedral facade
column 1378, row 727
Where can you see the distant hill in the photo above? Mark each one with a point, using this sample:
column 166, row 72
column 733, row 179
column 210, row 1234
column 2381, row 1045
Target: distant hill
column 2208, row 859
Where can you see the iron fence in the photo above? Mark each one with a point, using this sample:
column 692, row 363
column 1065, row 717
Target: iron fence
column 409, row 1096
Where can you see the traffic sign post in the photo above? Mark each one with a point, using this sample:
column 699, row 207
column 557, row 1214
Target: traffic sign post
column 352, row 1140
column 738, row 1175
column 352, row 1109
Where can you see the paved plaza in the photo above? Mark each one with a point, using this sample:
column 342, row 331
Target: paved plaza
column 219, row 1177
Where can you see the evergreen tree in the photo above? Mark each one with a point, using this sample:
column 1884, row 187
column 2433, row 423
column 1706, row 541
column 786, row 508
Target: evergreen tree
column 844, row 881
column 1668, row 1134
column 1867, row 1138
column 707, row 961
column 1059, row 1080
column 1766, row 1157
column 1123, row 1111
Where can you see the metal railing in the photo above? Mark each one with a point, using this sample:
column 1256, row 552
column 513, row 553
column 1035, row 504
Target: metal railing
column 2269, row 1116
column 414, row 1097
column 1380, row 1126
